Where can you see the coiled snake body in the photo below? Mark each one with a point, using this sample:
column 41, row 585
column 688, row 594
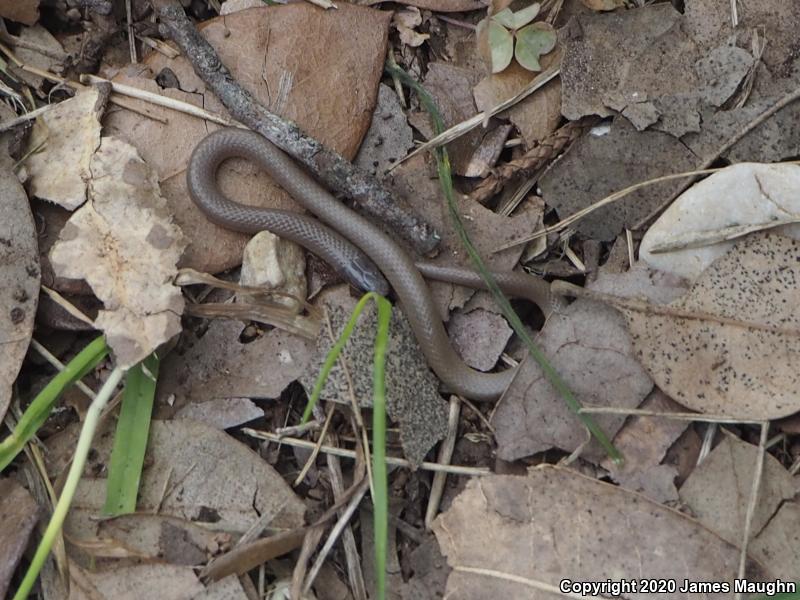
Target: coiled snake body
column 361, row 252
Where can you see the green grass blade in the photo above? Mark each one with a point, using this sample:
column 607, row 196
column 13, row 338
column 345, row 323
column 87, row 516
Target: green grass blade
column 130, row 439
column 71, row 484
column 380, row 481
column 334, row 353
column 446, row 182
column 43, row 404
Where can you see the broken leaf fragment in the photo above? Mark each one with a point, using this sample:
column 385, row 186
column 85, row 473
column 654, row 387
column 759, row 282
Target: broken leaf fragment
column 532, row 42
column 124, row 244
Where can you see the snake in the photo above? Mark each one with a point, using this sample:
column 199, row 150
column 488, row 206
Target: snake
column 358, row 250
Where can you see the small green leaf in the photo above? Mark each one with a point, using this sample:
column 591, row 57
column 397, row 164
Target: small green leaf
column 532, row 42
column 515, row 20
column 501, row 45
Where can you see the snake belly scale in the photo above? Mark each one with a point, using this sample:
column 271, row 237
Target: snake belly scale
column 361, row 252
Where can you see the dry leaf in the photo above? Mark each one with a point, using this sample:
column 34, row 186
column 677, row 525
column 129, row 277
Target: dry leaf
column 603, row 5
column 587, row 344
column 124, row 244
column 18, row 515
column 192, row 472
column 609, row 160
column 537, row 115
column 389, row 136
column 222, row 413
column 479, row 337
column 20, row 275
column 738, row 356
column 718, row 491
column 203, row 370
column 644, row 441
column 706, row 218
column 518, row 537
column 22, row 11
column 62, row 143
column 329, row 89
column 778, row 544
column 406, row 21
column 38, row 36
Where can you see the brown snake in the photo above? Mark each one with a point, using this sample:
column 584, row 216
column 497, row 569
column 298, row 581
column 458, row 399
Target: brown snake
column 345, row 244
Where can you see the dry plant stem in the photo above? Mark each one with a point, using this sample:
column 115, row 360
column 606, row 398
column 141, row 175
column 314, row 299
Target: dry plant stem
column 341, row 524
column 17, row 42
column 11, row 123
column 779, row 105
column 751, row 505
column 354, row 574
column 534, row 159
column 45, row 353
column 390, row 460
column 163, row 101
column 444, row 457
column 327, row 166
column 708, row 441
column 564, row 288
column 131, row 32
column 312, row 457
column 677, row 416
column 460, row 129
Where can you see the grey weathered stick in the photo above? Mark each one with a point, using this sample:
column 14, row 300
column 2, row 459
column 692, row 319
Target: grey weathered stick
column 329, row 167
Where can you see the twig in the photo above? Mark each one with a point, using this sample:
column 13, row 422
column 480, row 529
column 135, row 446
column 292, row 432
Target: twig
column 444, row 457
column 53, row 360
column 390, row 460
column 328, row 166
column 131, row 32
column 676, row 416
column 751, row 505
column 535, row 158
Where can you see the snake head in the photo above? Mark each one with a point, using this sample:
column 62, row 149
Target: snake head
column 362, row 273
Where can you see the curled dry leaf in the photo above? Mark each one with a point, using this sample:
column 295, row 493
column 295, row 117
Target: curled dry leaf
column 124, row 244
column 20, row 276
column 61, row 147
column 517, row 537
column 406, row 21
column 731, row 345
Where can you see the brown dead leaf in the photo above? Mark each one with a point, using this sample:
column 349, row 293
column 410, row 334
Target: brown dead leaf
column 62, row 143
column 163, row 538
column 20, row 274
column 192, row 472
column 22, row 11
column 451, row 88
column 124, row 244
column 603, row 5
column 606, row 161
column 778, row 544
column 412, row 396
column 329, row 89
column 389, row 136
column 587, row 344
column 165, row 582
column 738, row 356
column 479, row 337
column 605, row 69
column 222, row 413
column 18, row 515
column 219, row 366
column 39, row 36
column 643, row 442
column 517, row 537
column 718, row 491
column 537, row 115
